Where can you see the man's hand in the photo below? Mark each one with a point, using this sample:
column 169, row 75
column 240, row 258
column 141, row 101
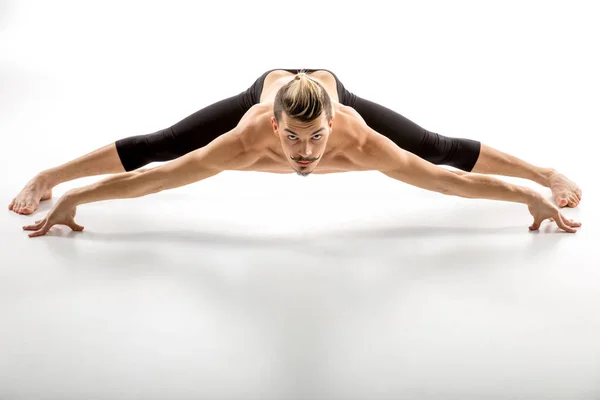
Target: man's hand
column 63, row 213
column 542, row 209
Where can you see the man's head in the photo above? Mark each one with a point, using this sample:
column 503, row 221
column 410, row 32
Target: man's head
column 303, row 121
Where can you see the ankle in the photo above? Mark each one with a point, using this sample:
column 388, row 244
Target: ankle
column 47, row 178
column 545, row 175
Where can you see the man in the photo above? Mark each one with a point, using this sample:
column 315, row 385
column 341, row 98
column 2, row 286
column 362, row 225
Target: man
column 236, row 134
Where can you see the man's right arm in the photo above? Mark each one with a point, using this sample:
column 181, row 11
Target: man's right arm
column 226, row 152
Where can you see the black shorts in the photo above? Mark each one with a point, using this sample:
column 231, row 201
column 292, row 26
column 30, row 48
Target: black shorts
column 210, row 122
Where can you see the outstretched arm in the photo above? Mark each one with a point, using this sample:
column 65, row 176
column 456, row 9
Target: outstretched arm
column 224, row 153
column 380, row 153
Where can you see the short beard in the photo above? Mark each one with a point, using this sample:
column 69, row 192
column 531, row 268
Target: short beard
column 304, row 174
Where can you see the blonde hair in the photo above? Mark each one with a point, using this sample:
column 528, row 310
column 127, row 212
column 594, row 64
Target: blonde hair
column 303, row 99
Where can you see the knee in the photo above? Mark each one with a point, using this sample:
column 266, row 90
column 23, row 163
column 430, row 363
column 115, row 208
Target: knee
column 438, row 149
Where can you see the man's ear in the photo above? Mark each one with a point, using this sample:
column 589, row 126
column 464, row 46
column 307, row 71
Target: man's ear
column 275, row 127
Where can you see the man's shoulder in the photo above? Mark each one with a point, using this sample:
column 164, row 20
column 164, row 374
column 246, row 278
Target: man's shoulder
column 253, row 128
column 352, row 128
column 251, row 118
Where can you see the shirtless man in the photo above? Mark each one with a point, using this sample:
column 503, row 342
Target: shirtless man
column 295, row 120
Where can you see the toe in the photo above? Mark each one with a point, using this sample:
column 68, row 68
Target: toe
column 12, row 203
column 561, row 201
column 561, row 198
column 31, row 207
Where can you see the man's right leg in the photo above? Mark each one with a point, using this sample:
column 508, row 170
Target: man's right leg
column 131, row 153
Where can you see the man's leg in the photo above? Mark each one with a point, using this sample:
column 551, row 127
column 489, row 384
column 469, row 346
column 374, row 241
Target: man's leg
column 492, row 161
column 102, row 161
column 465, row 154
column 133, row 152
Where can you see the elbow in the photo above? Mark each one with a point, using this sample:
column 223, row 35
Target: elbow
column 448, row 191
column 453, row 185
column 463, row 186
column 153, row 181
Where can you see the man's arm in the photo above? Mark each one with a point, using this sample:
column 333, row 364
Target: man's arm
column 380, row 153
column 224, row 153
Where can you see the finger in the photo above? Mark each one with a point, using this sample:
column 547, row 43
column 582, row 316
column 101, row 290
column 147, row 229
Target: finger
column 40, row 232
column 37, row 225
column 570, row 222
column 561, row 224
column 536, row 223
column 45, row 227
column 73, row 225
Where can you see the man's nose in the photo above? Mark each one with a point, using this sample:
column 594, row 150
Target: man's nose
column 305, row 151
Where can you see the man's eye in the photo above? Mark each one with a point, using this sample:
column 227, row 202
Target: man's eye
column 317, row 138
column 291, row 137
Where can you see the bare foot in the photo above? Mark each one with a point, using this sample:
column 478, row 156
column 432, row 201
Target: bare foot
column 564, row 191
column 28, row 200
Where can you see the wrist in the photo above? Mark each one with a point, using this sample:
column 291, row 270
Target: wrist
column 74, row 196
column 530, row 196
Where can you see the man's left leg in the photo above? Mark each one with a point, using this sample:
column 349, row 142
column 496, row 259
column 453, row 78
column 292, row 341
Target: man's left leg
column 491, row 161
column 465, row 154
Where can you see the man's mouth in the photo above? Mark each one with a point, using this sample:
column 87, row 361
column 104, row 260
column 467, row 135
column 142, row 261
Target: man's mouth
column 304, row 163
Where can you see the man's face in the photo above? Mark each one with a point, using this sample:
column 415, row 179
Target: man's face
column 303, row 143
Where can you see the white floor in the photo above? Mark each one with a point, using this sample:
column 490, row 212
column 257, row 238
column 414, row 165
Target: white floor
column 265, row 286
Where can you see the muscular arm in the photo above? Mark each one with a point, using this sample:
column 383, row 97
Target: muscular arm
column 380, row 153
column 225, row 152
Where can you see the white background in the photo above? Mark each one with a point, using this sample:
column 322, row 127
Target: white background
column 341, row 286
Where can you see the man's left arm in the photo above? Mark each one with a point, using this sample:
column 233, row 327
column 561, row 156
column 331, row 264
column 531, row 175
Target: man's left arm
column 381, row 154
